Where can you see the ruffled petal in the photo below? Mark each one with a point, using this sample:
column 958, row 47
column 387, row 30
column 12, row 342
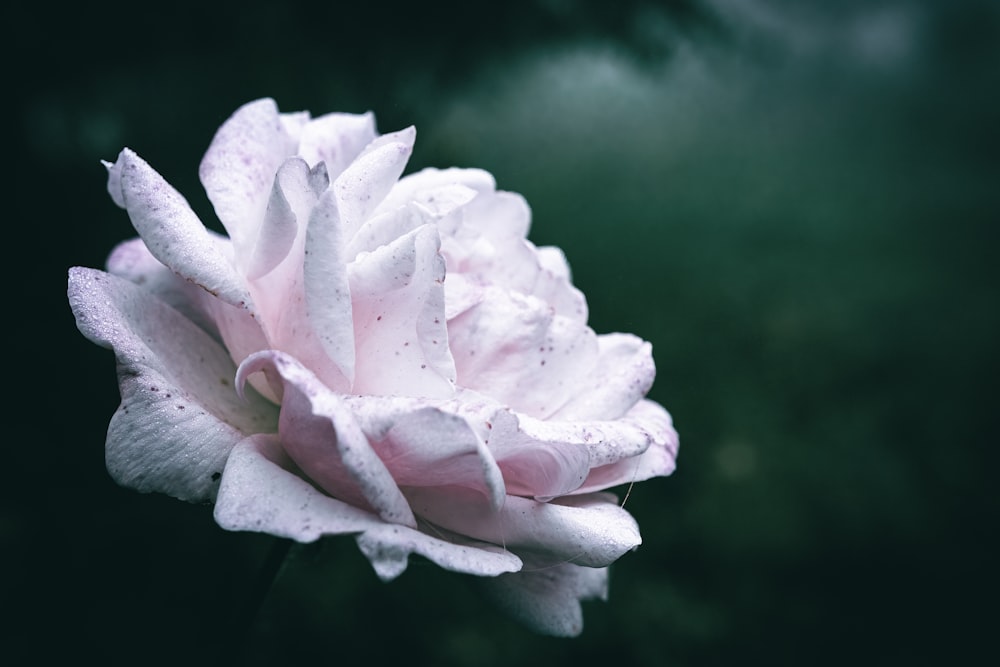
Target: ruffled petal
column 363, row 185
column 180, row 415
column 132, row 261
column 425, row 443
column 173, row 233
column 260, row 493
column 590, row 530
column 548, row 599
column 321, row 435
column 336, row 139
column 658, row 460
column 399, row 326
column 516, row 350
column 623, row 374
column 239, row 167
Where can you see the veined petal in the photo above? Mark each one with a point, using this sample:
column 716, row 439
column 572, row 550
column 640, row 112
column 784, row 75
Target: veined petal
column 238, row 168
column 399, row 326
column 590, row 530
column 336, row 139
column 547, row 599
column 321, row 435
column 623, row 374
column 180, row 414
column 174, row 234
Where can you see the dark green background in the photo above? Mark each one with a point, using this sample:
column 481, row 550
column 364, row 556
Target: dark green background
column 797, row 204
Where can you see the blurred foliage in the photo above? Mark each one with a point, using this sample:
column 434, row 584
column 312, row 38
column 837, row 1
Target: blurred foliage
column 797, row 203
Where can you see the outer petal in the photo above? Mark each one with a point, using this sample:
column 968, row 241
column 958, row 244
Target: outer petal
column 321, row 435
column 623, row 374
column 260, row 493
column 132, row 261
column 590, row 530
column 179, row 415
column 238, row 168
column 400, row 331
column 547, row 599
column 173, row 233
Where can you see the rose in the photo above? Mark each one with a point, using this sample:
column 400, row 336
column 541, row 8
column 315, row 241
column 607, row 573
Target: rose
column 372, row 355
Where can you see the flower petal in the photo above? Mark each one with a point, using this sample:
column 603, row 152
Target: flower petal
column 370, row 177
column 260, row 493
column 174, row 234
column 336, row 139
column 623, row 374
column 548, row 599
column 179, row 415
column 424, row 444
column 400, row 331
column 238, row 168
column 658, row 460
column 589, row 530
column 514, row 349
column 132, row 261
column 321, row 435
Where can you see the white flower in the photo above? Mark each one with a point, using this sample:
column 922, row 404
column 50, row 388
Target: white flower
column 372, row 355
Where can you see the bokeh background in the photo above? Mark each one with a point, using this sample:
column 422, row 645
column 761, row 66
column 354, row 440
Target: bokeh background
column 796, row 202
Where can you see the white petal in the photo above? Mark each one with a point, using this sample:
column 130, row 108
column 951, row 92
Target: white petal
column 132, row 261
column 322, row 436
column 589, row 530
column 259, row 493
column 548, row 599
column 239, row 167
column 401, row 334
column 516, row 350
column 180, row 414
column 173, row 233
column 336, row 139
column 369, row 178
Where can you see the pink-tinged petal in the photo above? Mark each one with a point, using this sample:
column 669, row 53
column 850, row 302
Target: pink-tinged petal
column 547, row 599
column 437, row 206
column 608, row 441
column 280, row 224
column 658, row 460
column 242, row 334
column 590, row 530
column 411, row 186
column 327, row 292
column 259, row 492
column 173, row 233
column 389, row 546
column 132, row 261
column 336, row 139
column 322, row 436
column 400, row 330
column 180, row 415
column 623, row 374
column 238, row 168
column 423, row 443
column 363, row 185
column 516, row 350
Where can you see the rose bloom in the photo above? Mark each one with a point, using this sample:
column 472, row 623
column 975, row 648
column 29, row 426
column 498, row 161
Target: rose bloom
column 372, row 355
